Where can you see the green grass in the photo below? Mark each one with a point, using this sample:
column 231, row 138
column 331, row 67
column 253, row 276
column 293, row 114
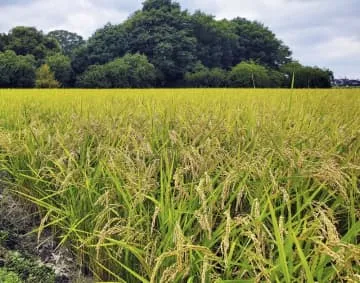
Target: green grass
column 192, row 185
column 8, row 277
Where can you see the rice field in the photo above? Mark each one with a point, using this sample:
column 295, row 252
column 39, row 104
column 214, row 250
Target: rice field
column 191, row 185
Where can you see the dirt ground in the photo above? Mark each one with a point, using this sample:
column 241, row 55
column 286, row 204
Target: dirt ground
column 22, row 254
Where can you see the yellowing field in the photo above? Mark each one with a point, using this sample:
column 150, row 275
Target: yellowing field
column 192, row 185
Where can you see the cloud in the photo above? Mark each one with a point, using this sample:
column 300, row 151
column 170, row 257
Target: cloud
column 81, row 16
column 13, row 2
column 320, row 32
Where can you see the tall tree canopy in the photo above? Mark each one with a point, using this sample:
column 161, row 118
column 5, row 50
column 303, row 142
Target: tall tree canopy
column 168, row 5
column 103, row 46
column 183, row 49
column 16, row 70
column 163, row 33
column 3, row 41
column 256, row 42
column 30, row 41
column 216, row 41
column 68, row 41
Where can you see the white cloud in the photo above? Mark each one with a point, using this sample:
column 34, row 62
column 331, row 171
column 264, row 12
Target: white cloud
column 81, row 16
column 339, row 47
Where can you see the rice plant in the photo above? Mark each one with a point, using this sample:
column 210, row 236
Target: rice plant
column 192, row 185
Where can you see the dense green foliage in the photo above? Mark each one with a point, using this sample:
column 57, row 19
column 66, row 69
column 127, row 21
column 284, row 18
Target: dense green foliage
column 162, row 32
column 8, row 276
column 249, row 74
column 216, row 41
column 191, row 185
column 175, row 42
column 128, row 71
column 3, row 41
column 21, row 269
column 257, row 42
column 68, row 41
column 306, row 77
column 29, row 41
column 45, row 78
column 204, row 77
column 60, row 65
column 105, row 45
column 16, row 70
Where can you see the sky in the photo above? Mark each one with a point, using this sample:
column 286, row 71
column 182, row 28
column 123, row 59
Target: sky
column 323, row 33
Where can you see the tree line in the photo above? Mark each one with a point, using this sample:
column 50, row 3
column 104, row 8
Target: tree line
column 160, row 45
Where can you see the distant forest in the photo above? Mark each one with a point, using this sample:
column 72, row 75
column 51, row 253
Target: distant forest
column 160, row 45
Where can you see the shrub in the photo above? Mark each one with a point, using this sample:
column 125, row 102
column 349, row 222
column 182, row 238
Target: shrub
column 249, row 74
column 276, row 78
column 205, row 77
column 45, row 78
column 126, row 72
column 60, row 65
column 306, row 77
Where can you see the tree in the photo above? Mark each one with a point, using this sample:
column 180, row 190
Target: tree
column 30, row 41
column 60, row 65
column 291, row 71
column 3, row 41
column 172, row 46
column 151, row 5
column 256, row 42
column 249, row 74
column 108, row 43
column 173, row 41
column 16, row 71
column 94, row 77
column 216, row 41
column 317, row 78
column 45, row 78
column 68, row 41
column 204, row 77
column 103, row 46
column 129, row 71
column 162, row 32
column 141, row 73
column 80, row 60
column 276, row 78
column 305, row 76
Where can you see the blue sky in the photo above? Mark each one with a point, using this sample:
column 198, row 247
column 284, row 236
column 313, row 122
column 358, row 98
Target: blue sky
column 325, row 33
